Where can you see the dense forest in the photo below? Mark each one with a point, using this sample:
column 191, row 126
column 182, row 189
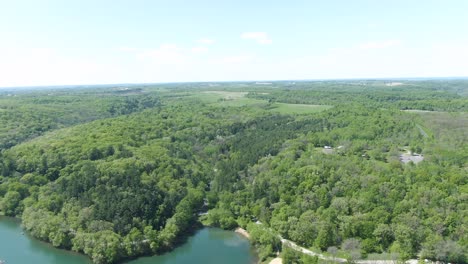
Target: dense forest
column 27, row 114
column 119, row 172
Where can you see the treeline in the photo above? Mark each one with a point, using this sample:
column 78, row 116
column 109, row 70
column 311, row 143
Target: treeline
column 414, row 95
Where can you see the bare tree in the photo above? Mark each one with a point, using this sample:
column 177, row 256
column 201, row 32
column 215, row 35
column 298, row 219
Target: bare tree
column 353, row 246
column 333, row 251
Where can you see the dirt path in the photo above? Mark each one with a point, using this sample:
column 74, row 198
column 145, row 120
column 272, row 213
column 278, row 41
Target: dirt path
column 309, row 252
column 422, row 131
column 306, row 251
column 339, row 260
column 411, row 261
column 276, row 261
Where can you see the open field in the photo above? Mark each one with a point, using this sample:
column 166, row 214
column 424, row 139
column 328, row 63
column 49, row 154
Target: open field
column 227, row 95
column 298, row 108
column 408, row 156
column 243, row 101
column 238, row 99
column 226, row 98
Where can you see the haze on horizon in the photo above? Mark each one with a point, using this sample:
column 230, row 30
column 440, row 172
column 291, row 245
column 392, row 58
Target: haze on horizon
column 55, row 42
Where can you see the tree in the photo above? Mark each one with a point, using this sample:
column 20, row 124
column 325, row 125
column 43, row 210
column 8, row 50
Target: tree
column 333, row 251
column 384, row 235
column 406, row 238
column 11, row 203
column 267, row 242
column 450, row 251
column 326, row 237
column 290, row 256
column 353, row 247
column 95, row 154
column 134, row 243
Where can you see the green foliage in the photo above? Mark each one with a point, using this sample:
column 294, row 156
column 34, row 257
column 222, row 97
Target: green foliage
column 103, row 246
column 118, row 173
column 11, row 203
column 265, row 240
column 429, row 96
column 436, row 247
column 291, row 256
column 220, row 218
column 25, row 115
column 353, row 247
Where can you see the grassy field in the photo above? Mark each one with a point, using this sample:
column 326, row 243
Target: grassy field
column 227, row 95
column 225, row 98
column 298, row 108
column 244, row 101
column 238, row 99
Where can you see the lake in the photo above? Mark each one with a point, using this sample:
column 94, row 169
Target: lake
column 208, row 245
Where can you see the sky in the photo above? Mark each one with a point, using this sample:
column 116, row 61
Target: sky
column 68, row 42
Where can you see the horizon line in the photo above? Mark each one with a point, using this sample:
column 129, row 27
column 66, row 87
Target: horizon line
column 240, row 81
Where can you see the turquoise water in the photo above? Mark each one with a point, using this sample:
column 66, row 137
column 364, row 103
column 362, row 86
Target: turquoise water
column 207, row 246
column 19, row 248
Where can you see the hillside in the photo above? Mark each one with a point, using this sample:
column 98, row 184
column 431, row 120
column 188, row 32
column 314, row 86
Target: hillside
column 131, row 175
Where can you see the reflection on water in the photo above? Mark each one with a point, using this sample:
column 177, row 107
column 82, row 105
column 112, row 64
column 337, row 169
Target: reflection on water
column 234, row 242
column 208, row 246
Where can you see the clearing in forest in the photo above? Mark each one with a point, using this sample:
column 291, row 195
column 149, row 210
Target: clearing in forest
column 299, row 108
column 228, row 98
column 408, row 156
column 227, row 95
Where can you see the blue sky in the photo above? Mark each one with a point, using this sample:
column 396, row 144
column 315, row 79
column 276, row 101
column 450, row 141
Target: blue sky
column 55, row 42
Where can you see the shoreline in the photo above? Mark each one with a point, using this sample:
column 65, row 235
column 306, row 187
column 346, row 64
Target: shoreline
column 180, row 241
column 242, row 232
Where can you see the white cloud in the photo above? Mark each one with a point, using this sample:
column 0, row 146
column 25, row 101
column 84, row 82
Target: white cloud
column 174, row 63
column 236, row 59
column 379, row 44
column 259, row 37
column 392, row 61
column 43, row 66
column 199, row 49
column 206, row 41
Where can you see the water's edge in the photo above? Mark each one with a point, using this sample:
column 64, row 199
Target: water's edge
column 197, row 243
